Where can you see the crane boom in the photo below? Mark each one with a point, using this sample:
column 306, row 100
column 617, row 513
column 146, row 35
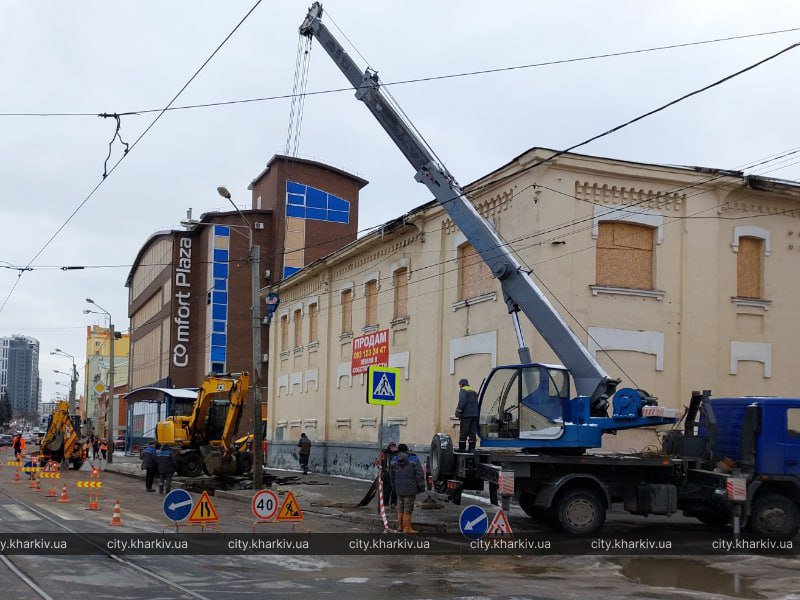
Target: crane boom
column 519, row 290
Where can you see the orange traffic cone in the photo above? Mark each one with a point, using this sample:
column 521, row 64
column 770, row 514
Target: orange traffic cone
column 17, row 478
column 93, row 505
column 35, row 483
column 116, row 518
column 64, row 494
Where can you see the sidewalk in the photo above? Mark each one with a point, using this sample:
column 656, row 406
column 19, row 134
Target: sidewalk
column 324, row 495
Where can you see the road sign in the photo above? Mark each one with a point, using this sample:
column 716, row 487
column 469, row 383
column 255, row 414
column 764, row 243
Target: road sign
column 89, row 484
column 204, row 511
column 289, row 511
column 265, row 505
column 177, row 505
column 473, row 522
column 500, row 525
column 383, row 386
column 99, row 388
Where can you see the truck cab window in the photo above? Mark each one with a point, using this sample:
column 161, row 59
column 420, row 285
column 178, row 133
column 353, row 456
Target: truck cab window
column 793, row 422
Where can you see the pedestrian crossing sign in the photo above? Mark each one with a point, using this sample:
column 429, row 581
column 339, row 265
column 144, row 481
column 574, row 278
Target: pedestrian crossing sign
column 383, row 386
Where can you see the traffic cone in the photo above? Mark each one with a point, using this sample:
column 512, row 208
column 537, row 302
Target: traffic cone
column 17, row 478
column 64, row 494
column 93, row 505
column 116, row 518
column 35, row 483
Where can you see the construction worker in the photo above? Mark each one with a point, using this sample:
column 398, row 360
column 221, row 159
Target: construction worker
column 149, row 465
column 104, row 449
column 167, row 465
column 407, row 480
column 468, row 412
column 305, row 452
column 19, row 445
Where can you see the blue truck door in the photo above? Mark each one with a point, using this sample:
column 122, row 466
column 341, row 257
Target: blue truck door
column 792, row 445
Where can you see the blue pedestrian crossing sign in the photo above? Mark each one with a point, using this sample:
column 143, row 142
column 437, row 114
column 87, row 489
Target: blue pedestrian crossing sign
column 177, row 505
column 383, row 386
column 473, row 522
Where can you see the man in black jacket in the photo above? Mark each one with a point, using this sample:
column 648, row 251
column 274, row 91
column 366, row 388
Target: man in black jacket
column 149, row 465
column 468, row 411
column 167, row 465
column 408, row 480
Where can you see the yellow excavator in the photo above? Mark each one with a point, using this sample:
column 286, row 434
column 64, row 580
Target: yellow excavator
column 61, row 441
column 204, row 441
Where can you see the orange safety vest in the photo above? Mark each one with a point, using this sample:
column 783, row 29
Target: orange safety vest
column 103, row 446
column 21, row 443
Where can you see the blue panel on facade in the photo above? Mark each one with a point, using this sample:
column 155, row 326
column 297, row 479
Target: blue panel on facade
column 336, row 203
column 289, row 270
column 296, row 211
column 220, row 284
column 217, row 367
column 221, row 270
column 318, row 214
column 336, row 216
column 316, row 198
column 222, row 230
column 218, row 339
column 296, row 199
column 220, row 298
column 220, row 255
column 218, row 354
column 295, row 188
column 218, row 326
column 219, row 312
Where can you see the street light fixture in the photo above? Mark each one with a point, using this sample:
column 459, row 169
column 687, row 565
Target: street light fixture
column 255, row 308
column 111, row 430
column 73, row 378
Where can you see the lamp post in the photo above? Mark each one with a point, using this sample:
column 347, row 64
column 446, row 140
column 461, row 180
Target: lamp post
column 255, row 309
column 111, row 429
column 73, row 379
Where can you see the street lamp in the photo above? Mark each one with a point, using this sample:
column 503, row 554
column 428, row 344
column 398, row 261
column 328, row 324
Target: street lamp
column 86, row 311
column 73, row 378
column 111, row 430
column 255, row 308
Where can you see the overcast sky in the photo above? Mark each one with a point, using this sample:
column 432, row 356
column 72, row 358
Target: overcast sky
column 98, row 56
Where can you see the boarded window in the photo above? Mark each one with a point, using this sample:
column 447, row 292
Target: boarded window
column 474, row 277
column 748, row 268
column 625, row 255
column 371, row 294
column 284, row 333
column 298, row 328
column 313, row 311
column 347, row 311
column 400, row 293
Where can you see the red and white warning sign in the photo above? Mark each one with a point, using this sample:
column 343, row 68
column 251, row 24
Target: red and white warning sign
column 265, row 505
column 204, row 511
column 737, row 489
column 289, row 511
column 499, row 525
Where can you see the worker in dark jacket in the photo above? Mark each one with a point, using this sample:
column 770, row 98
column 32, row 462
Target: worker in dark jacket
column 389, row 495
column 467, row 411
column 149, row 465
column 305, row 452
column 167, row 465
column 407, row 480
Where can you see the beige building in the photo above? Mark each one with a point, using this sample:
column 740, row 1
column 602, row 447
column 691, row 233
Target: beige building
column 677, row 279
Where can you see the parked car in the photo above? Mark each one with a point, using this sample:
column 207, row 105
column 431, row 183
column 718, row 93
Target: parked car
column 5, row 440
column 119, row 443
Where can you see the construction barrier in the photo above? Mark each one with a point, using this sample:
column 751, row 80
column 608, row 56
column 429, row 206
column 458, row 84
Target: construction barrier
column 94, row 484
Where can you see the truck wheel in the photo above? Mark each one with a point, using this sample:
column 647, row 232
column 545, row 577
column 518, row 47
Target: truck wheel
column 775, row 516
column 192, row 465
column 442, row 459
column 579, row 511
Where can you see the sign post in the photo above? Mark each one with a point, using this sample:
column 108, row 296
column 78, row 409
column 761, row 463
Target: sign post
column 383, row 389
column 177, row 506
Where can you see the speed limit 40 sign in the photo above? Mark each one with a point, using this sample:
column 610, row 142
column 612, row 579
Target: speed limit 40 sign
column 265, row 505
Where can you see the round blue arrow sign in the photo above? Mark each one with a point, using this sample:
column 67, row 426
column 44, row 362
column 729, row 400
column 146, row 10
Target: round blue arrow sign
column 177, row 505
column 473, row 522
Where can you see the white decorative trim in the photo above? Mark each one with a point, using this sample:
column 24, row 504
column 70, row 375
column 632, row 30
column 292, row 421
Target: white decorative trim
column 347, row 285
column 606, row 289
column 396, row 323
column 480, row 343
column 295, row 378
column 636, row 215
column 343, row 370
column 295, row 423
column 646, row 342
column 346, row 336
column 403, row 263
column 284, row 313
column 283, row 383
column 312, row 375
column 754, row 351
column 456, row 240
column 374, row 276
column 751, row 231
column 400, row 361
column 312, row 345
column 313, row 300
column 297, row 306
column 489, row 297
column 282, row 423
column 309, row 423
column 752, row 302
column 344, row 422
column 370, row 328
column 397, row 421
column 369, row 421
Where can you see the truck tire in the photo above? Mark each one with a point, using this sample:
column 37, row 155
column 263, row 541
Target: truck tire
column 775, row 516
column 579, row 511
column 191, row 464
column 442, row 460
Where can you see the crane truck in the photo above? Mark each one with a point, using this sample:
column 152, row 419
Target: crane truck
column 61, row 442
column 534, row 434
column 204, row 442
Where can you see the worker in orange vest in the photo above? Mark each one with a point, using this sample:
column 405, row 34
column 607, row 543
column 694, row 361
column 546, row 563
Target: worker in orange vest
column 103, row 449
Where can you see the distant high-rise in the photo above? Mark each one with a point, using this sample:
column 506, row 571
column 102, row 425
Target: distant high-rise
column 19, row 373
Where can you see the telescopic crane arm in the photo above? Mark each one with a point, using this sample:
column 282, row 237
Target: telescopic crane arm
column 519, row 291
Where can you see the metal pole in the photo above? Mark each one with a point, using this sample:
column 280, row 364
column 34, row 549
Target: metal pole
column 258, row 451
column 380, row 433
column 110, row 405
column 73, row 407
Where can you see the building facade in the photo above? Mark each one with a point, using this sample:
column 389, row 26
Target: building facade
column 97, row 369
column 676, row 279
column 190, row 290
column 19, row 374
